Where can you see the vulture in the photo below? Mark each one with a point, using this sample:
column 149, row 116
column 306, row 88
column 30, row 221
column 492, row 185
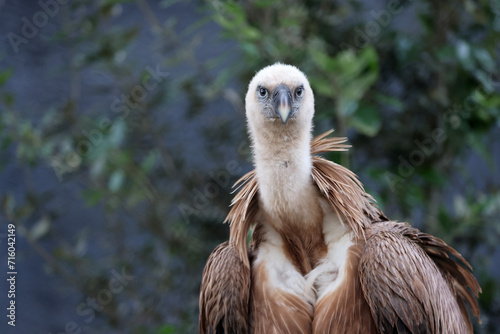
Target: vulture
column 323, row 258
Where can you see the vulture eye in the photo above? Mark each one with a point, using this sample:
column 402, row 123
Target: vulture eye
column 299, row 92
column 262, row 92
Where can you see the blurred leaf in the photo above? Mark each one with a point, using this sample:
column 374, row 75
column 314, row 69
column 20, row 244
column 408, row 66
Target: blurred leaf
column 433, row 177
column 346, row 78
column 484, row 58
column 92, row 196
column 250, row 49
column 445, row 222
column 464, row 54
column 167, row 329
column 116, row 180
column 321, row 86
column 9, row 204
column 117, row 132
column 97, row 165
column 325, row 63
column 41, row 228
column 5, row 75
column 8, row 99
column 148, row 163
column 460, row 205
column 489, row 288
column 390, row 101
column 367, row 121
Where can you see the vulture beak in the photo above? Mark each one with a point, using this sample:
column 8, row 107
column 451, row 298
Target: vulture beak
column 282, row 101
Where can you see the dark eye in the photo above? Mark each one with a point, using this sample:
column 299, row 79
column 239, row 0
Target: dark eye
column 299, row 92
column 262, row 92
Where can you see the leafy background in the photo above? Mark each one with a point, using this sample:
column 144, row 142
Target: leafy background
column 100, row 172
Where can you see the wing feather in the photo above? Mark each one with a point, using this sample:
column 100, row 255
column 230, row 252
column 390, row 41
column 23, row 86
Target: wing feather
column 412, row 285
column 322, row 144
column 341, row 187
column 345, row 194
column 245, row 206
column 225, row 291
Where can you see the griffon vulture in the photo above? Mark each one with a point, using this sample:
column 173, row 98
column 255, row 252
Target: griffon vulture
column 323, row 258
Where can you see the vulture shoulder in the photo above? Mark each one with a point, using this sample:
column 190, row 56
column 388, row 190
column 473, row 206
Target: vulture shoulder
column 341, row 187
column 225, row 291
column 411, row 283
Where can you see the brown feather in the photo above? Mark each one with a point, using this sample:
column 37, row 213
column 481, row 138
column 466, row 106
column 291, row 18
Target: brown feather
column 345, row 310
column 225, row 292
column 458, row 274
column 274, row 311
column 242, row 214
column 405, row 276
column 304, row 249
column 323, row 143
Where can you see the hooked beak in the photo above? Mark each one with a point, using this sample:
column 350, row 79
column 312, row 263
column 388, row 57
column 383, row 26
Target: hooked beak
column 282, row 101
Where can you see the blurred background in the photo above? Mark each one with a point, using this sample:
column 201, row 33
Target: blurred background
column 122, row 130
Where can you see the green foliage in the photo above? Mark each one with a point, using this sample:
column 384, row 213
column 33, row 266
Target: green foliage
column 416, row 104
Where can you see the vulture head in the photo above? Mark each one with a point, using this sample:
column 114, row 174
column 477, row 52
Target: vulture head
column 279, row 109
column 279, row 100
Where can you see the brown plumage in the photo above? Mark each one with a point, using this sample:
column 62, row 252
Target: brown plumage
column 323, row 257
column 225, row 292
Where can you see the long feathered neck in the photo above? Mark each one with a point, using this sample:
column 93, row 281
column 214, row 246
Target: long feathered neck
column 338, row 185
column 283, row 164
